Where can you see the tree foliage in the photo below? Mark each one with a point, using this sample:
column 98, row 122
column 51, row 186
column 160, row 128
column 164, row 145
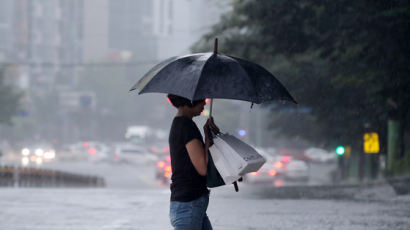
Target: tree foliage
column 346, row 60
column 9, row 100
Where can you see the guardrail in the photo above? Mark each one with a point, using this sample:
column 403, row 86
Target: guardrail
column 11, row 176
column 400, row 184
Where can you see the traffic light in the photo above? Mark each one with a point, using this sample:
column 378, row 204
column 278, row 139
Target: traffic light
column 340, row 150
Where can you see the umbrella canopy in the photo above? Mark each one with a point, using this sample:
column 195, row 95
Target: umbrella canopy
column 213, row 75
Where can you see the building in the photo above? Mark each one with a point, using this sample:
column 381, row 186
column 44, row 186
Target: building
column 158, row 29
column 50, row 43
column 41, row 45
column 6, row 28
column 95, row 30
column 43, row 39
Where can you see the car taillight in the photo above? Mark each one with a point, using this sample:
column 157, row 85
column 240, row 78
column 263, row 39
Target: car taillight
column 161, row 164
column 167, row 174
column 154, row 149
column 272, row 172
column 254, row 173
column 168, row 171
column 278, row 164
column 168, row 158
column 286, row 159
column 165, row 150
column 278, row 183
column 92, row 151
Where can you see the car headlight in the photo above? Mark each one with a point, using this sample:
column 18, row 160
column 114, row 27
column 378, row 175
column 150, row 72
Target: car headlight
column 49, row 154
column 25, row 161
column 39, row 152
column 25, row 152
column 39, row 161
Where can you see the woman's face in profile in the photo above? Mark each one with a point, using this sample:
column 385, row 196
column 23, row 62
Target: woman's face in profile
column 197, row 109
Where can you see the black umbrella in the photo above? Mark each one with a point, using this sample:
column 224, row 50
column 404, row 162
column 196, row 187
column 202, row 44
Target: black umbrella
column 213, row 75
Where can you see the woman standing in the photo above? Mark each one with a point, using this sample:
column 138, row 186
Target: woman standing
column 189, row 159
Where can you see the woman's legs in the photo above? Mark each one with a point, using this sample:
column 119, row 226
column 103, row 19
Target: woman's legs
column 206, row 224
column 181, row 215
column 190, row 215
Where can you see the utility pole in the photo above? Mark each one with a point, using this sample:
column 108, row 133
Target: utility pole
column 371, row 150
column 393, row 130
column 259, row 127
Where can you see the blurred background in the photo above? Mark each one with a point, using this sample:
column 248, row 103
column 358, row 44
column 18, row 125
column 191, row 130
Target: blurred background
column 66, row 68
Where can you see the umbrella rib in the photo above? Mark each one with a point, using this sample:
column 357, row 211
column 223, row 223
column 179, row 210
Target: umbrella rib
column 250, row 79
column 200, row 75
column 286, row 95
column 153, row 71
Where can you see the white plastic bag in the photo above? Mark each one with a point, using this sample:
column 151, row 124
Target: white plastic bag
column 234, row 158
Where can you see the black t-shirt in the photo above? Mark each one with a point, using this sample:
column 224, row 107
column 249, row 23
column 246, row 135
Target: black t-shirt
column 187, row 184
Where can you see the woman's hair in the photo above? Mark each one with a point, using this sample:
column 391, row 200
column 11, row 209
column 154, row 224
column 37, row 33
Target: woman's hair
column 179, row 101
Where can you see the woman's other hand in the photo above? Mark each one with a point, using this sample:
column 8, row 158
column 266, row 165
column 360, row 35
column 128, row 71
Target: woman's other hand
column 211, row 124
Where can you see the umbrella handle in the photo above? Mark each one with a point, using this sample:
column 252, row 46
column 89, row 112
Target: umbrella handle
column 216, row 46
column 215, row 52
column 210, row 109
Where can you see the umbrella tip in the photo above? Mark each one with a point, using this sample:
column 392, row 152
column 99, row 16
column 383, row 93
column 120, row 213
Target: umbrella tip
column 216, row 46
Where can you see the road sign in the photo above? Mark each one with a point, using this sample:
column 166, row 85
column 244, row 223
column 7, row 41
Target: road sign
column 74, row 99
column 371, row 143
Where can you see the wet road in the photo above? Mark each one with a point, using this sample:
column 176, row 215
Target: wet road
column 92, row 209
column 134, row 200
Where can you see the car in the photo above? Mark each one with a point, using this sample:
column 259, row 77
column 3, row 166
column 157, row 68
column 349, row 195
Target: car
column 266, row 174
column 143, row 135
column 72, row 152
column 296, row 170
column 320, row 155
column 97, row 152
column 159, row 148
column 133, row 154
column 91, row 151
column 37, row 154
column 269, row 172
column 295, row 154
column 163, row 170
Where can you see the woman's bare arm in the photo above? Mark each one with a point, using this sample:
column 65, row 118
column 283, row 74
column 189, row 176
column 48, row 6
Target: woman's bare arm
column 196, row 153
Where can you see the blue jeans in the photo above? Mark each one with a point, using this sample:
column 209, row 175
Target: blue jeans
column 190, row 215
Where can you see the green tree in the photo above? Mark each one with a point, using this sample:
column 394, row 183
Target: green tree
column 9, row 99
column 347, row 61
